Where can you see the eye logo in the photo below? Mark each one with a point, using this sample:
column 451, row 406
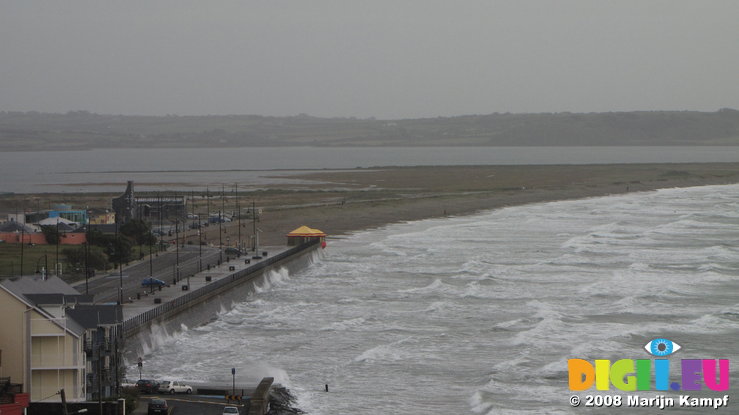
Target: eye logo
column 661, row 347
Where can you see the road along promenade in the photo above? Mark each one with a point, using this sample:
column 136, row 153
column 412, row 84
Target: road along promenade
column 205, row 401
column 197, row 298
column 158, row 306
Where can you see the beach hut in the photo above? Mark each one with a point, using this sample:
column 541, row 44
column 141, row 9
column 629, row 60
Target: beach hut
column 305, row 234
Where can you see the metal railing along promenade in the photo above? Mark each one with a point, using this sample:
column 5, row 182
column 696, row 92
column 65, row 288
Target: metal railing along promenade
column 133, row 324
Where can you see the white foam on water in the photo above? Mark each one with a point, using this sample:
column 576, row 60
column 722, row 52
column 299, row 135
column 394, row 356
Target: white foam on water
column 479, row 314
column 351, row 324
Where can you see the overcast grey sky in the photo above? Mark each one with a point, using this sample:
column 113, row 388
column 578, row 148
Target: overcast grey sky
column 387, row 59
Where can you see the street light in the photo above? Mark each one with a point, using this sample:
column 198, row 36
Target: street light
column 233, row 385
column 177, row 249
column 46, row 266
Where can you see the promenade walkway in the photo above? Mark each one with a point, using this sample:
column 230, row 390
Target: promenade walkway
column 150, row 298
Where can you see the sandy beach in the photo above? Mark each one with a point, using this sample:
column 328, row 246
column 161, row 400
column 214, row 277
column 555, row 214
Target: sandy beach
column 341, row 202
column 372, row 198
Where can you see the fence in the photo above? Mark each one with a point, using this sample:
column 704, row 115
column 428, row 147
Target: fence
column 132, row 325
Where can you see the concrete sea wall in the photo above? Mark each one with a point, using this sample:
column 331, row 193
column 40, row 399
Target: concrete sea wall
column 148, row 332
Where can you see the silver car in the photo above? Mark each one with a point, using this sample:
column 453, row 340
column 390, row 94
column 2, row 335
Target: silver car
column 174, row 386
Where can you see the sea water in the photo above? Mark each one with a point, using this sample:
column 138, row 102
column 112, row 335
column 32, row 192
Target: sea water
column 480, row 314
column 186, row 169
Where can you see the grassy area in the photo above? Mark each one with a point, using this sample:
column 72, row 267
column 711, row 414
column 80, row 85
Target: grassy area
column 32, row 256
column 37, row 256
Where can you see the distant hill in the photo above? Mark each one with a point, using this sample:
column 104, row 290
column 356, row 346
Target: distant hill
column 32, row 131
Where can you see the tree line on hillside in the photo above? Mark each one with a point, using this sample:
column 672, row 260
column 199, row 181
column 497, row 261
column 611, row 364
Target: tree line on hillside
column 83, row 130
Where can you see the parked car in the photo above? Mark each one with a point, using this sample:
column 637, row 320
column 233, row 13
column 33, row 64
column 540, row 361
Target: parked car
column 174, row 386
column 150, row 281
column 128, row 383
column 233, row 251
column 147, row 386
column 158, row 406
column 230, row 410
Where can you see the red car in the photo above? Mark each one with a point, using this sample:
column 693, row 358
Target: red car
column 147, row 386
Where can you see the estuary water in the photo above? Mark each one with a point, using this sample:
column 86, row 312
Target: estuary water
column 479, row 314
column 185, row 169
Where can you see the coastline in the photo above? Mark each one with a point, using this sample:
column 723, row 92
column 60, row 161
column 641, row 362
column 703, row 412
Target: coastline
column 433, row 192
column 342, row 202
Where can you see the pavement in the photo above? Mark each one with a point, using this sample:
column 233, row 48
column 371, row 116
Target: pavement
column 144, row 299
column 190, row 404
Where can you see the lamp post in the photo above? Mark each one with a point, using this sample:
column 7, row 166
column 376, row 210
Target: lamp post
column 200, row 247
column 254, row 224
column 87, row 267
column 238, row 210
column 177, row 249
column 23, row 234
column 233, row 385
column 120, row 264
column 46, row 266
column 58, row 237
column 221, row 219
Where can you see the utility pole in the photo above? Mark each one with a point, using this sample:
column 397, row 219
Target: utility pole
column 64, row 402
column 254, row 225
column 23, row 233
column 200, row 247
column 220, row 222
column 207, row 204
column 58, row 238
column 100, row 377
column 177, row 249
column 120, row 267
column 161, row 232
column 151, row 253
column 256, row 233
column 87, row 267
column 238, row 212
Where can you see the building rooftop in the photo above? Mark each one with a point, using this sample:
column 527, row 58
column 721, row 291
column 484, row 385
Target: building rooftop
column 28, row 287
column 16, row 227
column 91, row 316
